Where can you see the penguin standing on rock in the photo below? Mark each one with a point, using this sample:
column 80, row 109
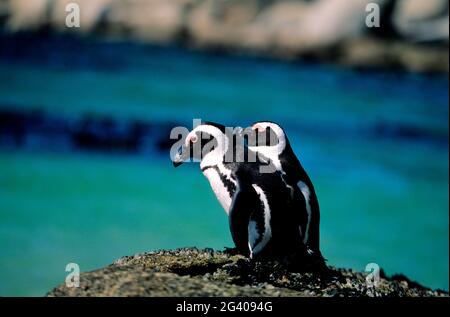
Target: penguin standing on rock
column 262, row 215
column 272, row 142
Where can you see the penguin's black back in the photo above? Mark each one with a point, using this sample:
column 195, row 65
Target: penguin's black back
column 285, row 219
column 295, row 173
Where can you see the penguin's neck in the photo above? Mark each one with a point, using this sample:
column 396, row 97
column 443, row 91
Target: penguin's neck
column 214, row 160
column 216, row 180
column 216, row 156
column 271, row 152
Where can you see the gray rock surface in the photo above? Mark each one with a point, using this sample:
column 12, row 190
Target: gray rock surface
column 330, row 30
column 194, row 272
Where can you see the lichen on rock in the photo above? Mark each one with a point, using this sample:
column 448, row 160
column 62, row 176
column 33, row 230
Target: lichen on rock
column 205, row 272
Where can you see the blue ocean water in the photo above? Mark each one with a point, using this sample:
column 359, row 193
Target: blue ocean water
column 374, row 143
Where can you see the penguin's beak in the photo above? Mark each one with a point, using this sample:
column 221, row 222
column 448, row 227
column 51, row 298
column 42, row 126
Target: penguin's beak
column 181, row 156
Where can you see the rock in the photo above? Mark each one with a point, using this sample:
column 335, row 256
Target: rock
column 372, row 53
column 157, row 21
column 421, row 20
column 419, row 10
column 285, row 29
column 193, row 272
column 226, row 24
column 91, row 13
column 25, row 15
column 321, row 24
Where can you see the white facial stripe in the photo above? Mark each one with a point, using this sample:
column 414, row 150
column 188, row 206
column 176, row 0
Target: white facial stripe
column 211, row 130
column 267, row 229
column 273, row 151
column 214, row 157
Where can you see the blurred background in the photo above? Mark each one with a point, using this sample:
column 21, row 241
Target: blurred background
column 85, row 117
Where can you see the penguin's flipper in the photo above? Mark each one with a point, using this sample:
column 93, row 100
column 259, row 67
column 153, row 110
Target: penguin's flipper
column 244, row 201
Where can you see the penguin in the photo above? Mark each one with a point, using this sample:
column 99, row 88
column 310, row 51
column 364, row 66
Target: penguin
column 272, row 142
column 263, row 220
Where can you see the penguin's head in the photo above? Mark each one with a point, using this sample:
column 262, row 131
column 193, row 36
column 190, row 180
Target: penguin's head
column 268, row 138
column 206, row 143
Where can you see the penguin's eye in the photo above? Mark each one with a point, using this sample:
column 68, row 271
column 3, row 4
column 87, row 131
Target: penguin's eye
column 257, row 128
column 193, row 139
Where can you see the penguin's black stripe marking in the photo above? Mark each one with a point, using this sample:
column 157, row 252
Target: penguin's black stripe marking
column 206, row 167
column 229, row 185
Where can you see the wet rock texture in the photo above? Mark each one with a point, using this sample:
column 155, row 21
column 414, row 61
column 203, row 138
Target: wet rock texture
column 194, row 272
column 412, row 34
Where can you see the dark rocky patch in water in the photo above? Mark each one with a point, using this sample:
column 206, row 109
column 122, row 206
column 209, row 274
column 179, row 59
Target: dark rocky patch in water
column 37, row 129
column 40, row 130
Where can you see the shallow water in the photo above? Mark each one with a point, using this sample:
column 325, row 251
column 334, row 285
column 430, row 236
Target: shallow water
column 375, row 145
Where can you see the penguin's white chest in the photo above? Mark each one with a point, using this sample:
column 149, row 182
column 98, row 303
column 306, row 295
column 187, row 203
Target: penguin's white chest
column 218, row 188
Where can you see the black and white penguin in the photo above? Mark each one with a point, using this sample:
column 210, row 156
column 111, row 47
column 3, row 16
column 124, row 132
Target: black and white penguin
column 262, row 216
column 272, row 142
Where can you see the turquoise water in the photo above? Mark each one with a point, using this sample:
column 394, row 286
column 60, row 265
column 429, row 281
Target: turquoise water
column 375, row 145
